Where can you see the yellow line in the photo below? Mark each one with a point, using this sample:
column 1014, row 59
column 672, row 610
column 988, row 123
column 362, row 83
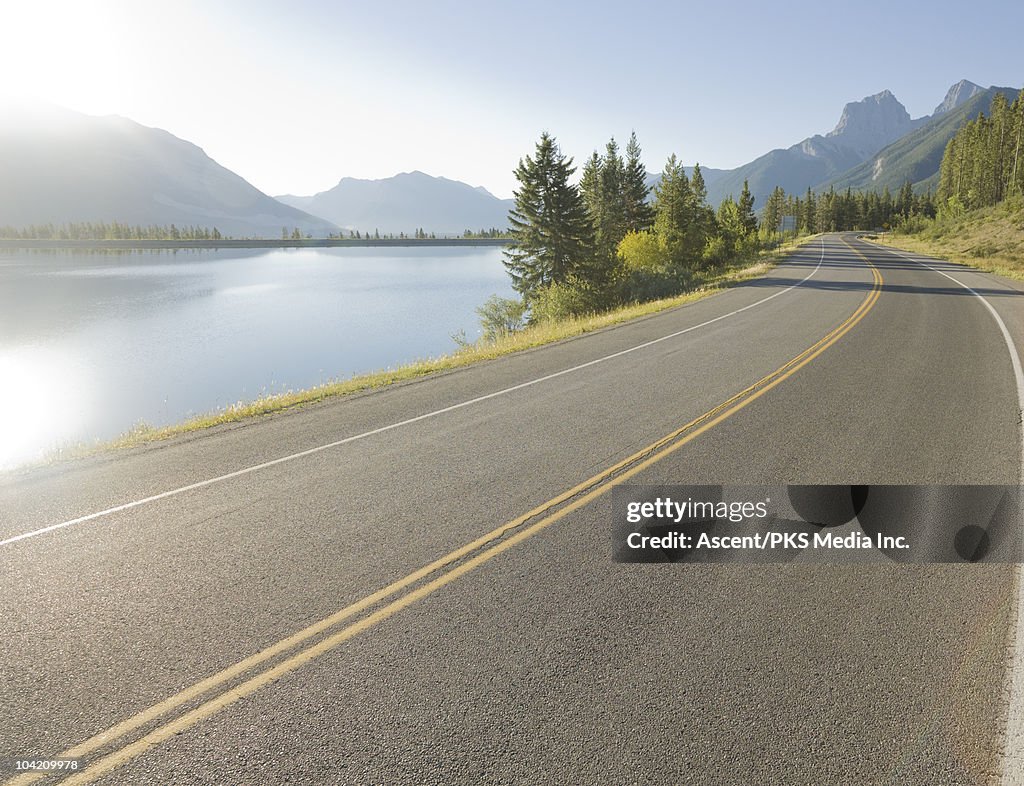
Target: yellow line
column 598, row 485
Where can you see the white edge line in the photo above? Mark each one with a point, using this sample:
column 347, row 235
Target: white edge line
column 1012, row 764
column 400, row 424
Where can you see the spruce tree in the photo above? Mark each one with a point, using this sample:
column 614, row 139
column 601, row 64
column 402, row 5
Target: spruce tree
column 774, row 209
column 590, row 185
column 702, row 226
column 673, row 218
column 808, row 212
column 611, row 218
column 746, row 208
column 639, row 212
column 551, row 234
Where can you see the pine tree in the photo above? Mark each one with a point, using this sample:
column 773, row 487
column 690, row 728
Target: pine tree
column 639, row 212
column 702, row 226
column 673, row 218
column 807, row 219
column 746, row 208
column 773, row 210
column 551, row 234
column 602, row 185
column 613, row 203
column 728, row 221
column 590, row 184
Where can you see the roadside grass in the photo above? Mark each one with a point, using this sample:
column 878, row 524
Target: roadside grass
column 989, row 239
column 528, row 338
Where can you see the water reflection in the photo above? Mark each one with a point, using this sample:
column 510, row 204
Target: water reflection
column 92, row 344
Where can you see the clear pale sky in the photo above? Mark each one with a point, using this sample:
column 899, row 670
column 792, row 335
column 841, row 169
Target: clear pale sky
column 294, row 96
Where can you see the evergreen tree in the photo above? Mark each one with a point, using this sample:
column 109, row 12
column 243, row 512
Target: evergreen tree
column 613, row 203
column 702, row 226
column 982, row 163
column 590, row 185
column 674, row 208
column 774, row 209
column 639, row 212
column 807, row 216
column 746, row 209
column 551, row 234
column 730, row 227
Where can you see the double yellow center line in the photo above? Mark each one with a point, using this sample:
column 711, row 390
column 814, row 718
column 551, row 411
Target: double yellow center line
column 454, row 565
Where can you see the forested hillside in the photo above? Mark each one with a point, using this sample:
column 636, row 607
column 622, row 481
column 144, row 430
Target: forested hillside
column 979, row 218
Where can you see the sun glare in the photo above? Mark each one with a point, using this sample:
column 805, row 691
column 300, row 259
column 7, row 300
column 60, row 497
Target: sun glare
column 39, row 406
column 64, row 52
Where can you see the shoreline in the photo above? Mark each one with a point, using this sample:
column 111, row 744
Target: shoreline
column 144, row 245
column 529, row 338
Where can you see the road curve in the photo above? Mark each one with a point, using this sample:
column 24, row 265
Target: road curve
column 385, row 610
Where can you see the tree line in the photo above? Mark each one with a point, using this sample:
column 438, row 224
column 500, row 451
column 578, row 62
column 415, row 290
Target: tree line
column 983, row 163
column 100, row 230
column 845, row 211
column 577, row 248
column 611, row 239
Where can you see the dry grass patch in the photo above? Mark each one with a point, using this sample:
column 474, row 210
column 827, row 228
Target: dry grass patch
column 991, row 239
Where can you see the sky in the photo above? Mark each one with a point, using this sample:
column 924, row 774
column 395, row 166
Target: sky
column 294, row 96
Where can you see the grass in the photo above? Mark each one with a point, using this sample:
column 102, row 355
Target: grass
column 530, row 337
column 989, row 239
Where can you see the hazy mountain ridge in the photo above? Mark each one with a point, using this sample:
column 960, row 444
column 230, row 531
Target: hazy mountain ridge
column 864, row 128
column 60, row 166
column 406, row 202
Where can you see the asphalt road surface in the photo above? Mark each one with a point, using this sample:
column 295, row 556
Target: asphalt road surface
column 431, row 599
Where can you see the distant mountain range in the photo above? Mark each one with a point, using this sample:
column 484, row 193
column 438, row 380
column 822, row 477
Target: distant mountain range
column 916, row 156
column 406, row 202
column 875, row 144
column 59, row 166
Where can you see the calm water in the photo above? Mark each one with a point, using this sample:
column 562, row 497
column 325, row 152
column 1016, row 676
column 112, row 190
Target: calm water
column 92, row 344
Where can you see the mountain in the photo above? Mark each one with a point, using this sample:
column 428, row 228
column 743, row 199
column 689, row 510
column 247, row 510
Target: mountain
column 864, row 128
column 958, row 94
column 405, row 203
column 61, row 166
column 710, row 176
column 916, row 156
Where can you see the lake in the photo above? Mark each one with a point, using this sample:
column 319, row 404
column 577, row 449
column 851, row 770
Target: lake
column 92, row 344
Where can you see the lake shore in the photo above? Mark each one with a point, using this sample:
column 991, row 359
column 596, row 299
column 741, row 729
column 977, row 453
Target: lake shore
column 149, row 245
column 529, row 338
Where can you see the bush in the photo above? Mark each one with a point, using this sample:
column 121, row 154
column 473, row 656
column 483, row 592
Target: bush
column 639, row 286
column 717, row 251
column 646, row 271
column 500, row 316
column 746, row 247
column 642, row 251
column 573, row 298
column 911, row 225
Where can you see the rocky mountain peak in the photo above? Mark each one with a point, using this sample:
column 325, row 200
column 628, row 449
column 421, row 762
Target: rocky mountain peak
column 868, row 125
column 956, row 95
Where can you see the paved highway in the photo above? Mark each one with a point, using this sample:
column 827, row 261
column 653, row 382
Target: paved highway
column 414, row 585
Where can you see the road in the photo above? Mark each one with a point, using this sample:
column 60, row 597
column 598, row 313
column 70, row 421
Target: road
column 397, row 588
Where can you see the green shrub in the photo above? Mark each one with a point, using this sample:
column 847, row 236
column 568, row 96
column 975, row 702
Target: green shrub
column 642, row 251
column 573, row 298
column 640, row 286
column 500, row 316
column 717, row 252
